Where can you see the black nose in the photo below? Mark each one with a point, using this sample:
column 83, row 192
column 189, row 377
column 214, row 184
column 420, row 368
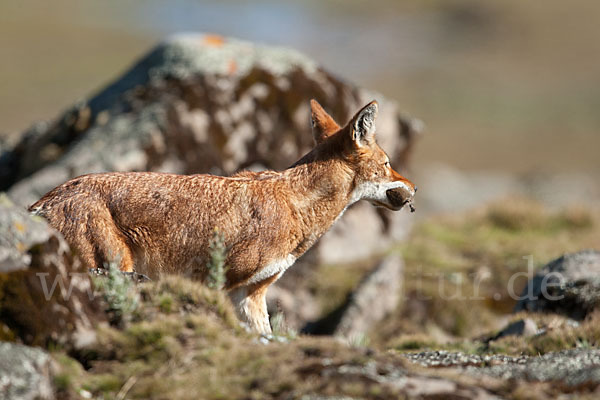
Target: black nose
column 416, row 189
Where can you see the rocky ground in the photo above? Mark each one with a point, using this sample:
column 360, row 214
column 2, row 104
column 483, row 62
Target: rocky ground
column 431, row 314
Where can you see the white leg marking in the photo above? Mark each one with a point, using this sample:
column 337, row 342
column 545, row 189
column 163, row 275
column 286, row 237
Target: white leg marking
column 254, row 316
column 239, row 298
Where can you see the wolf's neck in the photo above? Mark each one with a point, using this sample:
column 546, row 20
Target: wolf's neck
column 322, row 192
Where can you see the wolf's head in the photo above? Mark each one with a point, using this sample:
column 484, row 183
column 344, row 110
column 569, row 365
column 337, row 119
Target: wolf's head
column 374, row 178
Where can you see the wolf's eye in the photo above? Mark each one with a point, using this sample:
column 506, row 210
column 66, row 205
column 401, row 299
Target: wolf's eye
column 387, row 164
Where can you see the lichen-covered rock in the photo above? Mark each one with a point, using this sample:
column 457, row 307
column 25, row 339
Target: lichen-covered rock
column 569, row 285
column 45, row 293
column 20, row 232
column 25, row 373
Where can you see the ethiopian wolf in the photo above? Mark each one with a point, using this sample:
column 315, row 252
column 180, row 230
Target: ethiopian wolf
column 157, row 223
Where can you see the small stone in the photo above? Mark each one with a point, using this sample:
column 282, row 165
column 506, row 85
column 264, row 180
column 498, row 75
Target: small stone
column 523, row 327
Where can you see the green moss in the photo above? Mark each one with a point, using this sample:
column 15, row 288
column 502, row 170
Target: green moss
column 146, row 334
column 165, row 303
column 105, row 383
column 68, row 372
column 62, row 382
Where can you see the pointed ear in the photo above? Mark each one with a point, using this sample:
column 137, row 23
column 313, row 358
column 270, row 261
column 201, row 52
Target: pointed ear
column 362, row 126
column 323, row 125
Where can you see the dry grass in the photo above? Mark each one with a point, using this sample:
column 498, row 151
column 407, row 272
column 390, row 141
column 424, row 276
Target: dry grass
column 184, row 342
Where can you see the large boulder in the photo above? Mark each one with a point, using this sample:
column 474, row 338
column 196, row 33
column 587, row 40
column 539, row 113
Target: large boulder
column 569, row 285
column 46, row 295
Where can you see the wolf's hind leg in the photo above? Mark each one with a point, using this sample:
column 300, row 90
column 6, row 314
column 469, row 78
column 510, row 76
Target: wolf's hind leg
column 98, row 241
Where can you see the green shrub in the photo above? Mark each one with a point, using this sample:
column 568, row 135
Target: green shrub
column 118, row 291
column 216, row 262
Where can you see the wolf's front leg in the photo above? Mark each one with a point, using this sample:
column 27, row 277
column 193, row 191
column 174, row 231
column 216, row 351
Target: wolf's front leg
column 251, row 307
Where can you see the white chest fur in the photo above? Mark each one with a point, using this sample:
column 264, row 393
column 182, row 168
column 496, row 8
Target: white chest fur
column 273, row 268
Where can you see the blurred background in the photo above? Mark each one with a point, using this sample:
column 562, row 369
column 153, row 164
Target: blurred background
column 507, row 85
column 507, row 166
